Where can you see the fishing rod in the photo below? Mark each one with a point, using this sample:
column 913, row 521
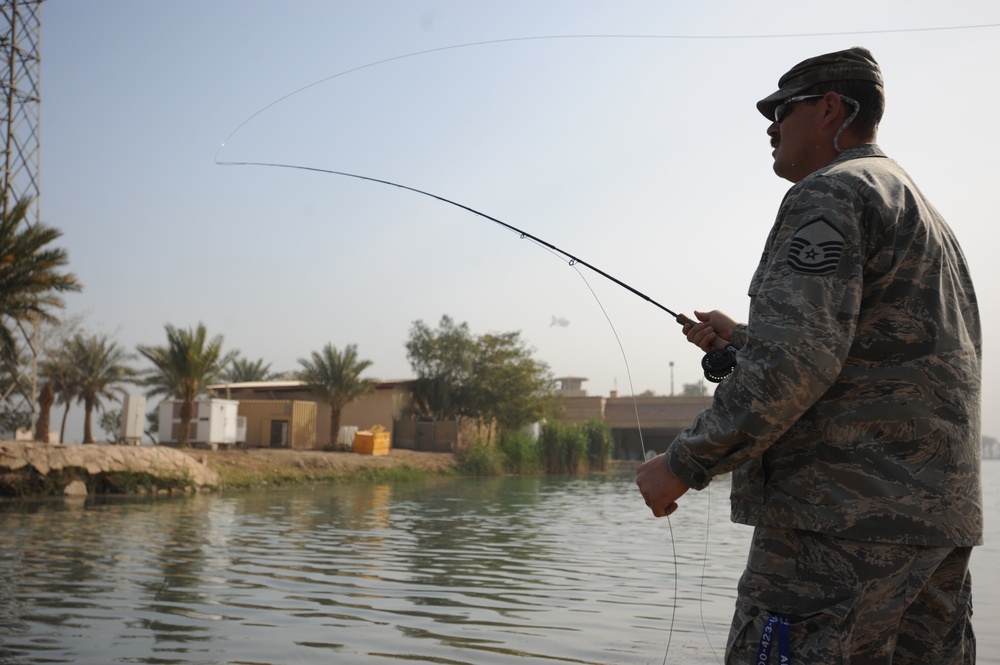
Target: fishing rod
column 717, row 363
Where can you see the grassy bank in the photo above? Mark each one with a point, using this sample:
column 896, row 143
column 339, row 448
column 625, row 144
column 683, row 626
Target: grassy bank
column 268, row 468
column 561, row 449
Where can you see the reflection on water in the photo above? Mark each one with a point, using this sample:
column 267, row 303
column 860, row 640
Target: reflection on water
column 477, row 571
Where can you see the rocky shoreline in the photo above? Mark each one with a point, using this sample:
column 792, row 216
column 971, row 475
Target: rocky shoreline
column 28, row 468
column 39, row 469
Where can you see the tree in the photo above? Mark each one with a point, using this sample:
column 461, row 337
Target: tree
column 101, row 367
column 507, row 386
column 492, row 378
column 335, row 378
column 243, row 370
column 152, row 426
column 46, row 397
column 183, row 369
column 442, row 361
column 30, row 279
column 58, row 370
column 30, row 284
column 694, row 389
column 111, row 423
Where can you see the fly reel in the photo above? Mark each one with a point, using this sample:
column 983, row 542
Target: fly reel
column 719, row 363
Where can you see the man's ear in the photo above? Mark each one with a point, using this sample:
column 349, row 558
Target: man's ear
column 833, row 111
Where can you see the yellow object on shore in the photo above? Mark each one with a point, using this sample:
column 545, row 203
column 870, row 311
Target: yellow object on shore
column 369, row 442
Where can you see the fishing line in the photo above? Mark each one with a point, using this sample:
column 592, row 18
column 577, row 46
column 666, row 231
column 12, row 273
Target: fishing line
column 668, row 37
column 718, row 363
column 572, row 260
column 508, row 40
column 713, row 372
column 704, row 573
column 642, row 446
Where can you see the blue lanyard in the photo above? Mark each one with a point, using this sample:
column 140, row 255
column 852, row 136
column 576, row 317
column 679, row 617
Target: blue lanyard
column 767, row 638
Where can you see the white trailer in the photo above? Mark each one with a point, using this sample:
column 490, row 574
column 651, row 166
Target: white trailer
column 214, row 423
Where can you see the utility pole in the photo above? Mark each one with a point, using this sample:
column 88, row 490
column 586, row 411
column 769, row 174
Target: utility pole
column 671, row 378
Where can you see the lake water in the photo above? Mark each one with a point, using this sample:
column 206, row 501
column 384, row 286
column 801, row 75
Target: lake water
column 447, row 571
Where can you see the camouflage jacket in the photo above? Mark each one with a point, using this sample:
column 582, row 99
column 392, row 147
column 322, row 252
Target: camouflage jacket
column 854, row 409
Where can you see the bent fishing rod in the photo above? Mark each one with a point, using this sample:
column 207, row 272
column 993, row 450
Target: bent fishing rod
column 717, row 363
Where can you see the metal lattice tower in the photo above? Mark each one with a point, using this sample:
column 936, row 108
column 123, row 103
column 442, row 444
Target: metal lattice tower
column 19, row 131
column 21, row 104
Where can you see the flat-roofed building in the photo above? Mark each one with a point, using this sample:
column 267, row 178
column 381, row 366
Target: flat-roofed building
column 637, row 423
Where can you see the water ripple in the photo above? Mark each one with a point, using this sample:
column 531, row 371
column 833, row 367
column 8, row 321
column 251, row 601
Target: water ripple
column 457, row 571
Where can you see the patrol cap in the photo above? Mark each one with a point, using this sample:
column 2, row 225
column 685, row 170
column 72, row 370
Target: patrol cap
column 855, row 63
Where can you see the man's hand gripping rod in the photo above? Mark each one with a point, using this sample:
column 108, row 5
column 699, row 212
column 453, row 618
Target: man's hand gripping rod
column 717, row 363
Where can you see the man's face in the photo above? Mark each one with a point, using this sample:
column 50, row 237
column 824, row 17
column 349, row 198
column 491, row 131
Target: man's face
column 795, row 140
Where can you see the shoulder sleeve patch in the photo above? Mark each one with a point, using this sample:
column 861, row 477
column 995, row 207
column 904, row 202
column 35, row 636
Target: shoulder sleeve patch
column 815, row 248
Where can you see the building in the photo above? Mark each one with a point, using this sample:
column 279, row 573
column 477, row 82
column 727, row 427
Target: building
column 279, row 423
column 286, row 414
column 637, row 423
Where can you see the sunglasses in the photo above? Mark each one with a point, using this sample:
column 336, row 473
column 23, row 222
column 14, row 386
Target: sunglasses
column 781, row 109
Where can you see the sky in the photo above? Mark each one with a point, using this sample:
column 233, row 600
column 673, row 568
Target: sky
column 624, row 133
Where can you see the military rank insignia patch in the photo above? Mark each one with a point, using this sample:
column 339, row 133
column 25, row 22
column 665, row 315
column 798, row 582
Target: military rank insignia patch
column 816, row 248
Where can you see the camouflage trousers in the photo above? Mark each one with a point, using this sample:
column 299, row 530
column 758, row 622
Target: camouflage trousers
column 846, row 602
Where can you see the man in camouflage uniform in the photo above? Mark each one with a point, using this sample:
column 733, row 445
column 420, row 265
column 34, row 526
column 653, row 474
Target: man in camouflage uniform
column 851, row 421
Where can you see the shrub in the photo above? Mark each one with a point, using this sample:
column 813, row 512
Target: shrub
column 520, row 453
column 560, row 449
column 481, row 459
column 598, row 444
column 563, row 448
column 550, row 452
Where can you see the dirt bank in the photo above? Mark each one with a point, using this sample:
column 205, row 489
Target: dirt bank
column 264, row 467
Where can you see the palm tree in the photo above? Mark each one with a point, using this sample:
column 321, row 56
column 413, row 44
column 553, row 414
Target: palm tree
column 30, row 280
column 184, row 368
column 243, row 370
column 100, row 367
column 334, row 377
column 58, row 369
column 46, row 397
